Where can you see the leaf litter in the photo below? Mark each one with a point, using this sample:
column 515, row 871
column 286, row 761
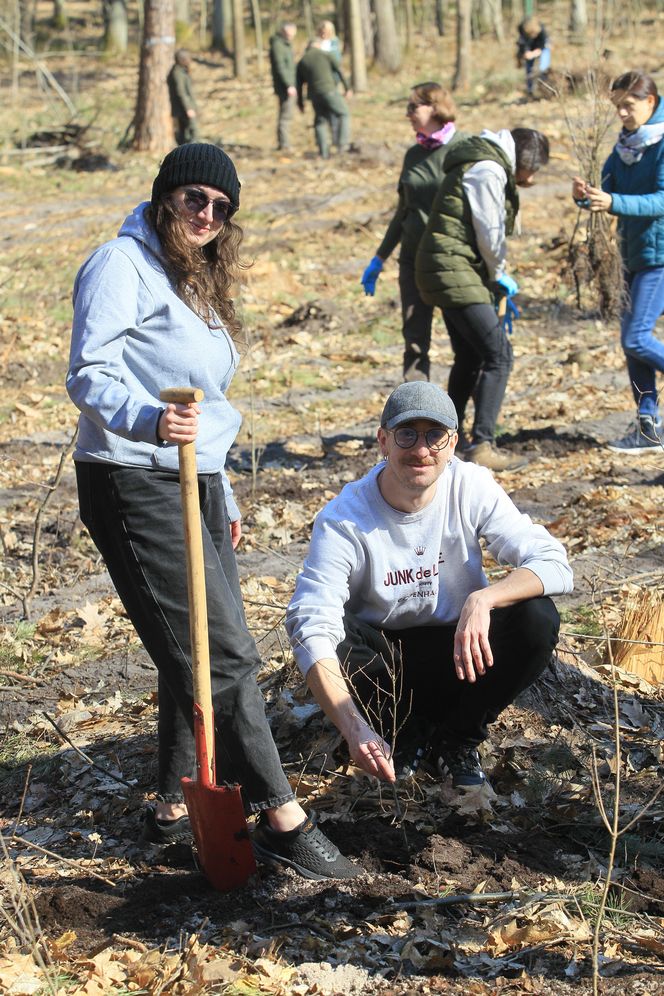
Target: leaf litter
column 491, row 892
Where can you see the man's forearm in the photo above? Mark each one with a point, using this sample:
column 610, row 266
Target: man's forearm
column 517, row 586
column 330, row 690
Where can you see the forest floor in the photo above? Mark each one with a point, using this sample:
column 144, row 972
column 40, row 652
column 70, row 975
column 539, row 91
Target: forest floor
column 494, row 892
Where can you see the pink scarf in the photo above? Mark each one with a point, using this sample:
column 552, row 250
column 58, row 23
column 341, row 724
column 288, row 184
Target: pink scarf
column 438, row 138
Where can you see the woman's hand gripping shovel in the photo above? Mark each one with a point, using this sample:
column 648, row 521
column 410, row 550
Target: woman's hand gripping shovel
column 216, row 812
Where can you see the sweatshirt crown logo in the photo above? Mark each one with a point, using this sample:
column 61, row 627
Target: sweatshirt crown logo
column 419, row 550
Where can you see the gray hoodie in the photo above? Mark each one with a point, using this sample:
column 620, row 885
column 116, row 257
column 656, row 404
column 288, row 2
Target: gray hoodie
column 132, row 336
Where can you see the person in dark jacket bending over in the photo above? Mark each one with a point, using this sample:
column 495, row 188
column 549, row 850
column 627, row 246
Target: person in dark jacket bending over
column 432, row 113
column 393, row 590
column 533, row 46
column 320, row 72
column 282, row 64
column 183, row 102
column 461, row 267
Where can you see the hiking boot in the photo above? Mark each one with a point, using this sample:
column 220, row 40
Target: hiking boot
column 165, row 832
column 486, row 455
column 463, row 764
column 647, row 436
column 306, row 849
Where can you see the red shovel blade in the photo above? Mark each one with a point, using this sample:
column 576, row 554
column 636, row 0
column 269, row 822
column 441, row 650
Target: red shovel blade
column 218, row 821
column 220, row 830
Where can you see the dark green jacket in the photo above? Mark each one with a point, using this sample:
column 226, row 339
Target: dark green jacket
column 421, row 175
column 449, row 269
column 282, row 63
column 180, row 92
column 319, row 71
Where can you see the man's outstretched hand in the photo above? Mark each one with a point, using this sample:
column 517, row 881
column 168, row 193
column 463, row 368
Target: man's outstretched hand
column 369, row 751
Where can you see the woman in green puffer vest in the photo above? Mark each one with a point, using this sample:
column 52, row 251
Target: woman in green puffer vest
column 460, row 267
column 431, row 112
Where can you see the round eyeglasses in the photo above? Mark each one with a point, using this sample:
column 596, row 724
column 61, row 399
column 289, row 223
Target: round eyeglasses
column 406, row 437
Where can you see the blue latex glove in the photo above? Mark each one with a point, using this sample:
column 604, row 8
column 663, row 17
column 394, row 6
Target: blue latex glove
column 511, row 313
column 371, row 274
column 508, row 284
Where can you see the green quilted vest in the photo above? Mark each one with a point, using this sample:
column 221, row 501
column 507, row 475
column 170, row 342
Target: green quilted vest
column 449, row 268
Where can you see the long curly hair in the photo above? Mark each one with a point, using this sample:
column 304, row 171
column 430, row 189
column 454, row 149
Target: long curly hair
column 203, row 275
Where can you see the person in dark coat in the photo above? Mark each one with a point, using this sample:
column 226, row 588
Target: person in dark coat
column 431, row 112
column 282, row 64
column 320, row 73
column 533, row 50
column 183, row 102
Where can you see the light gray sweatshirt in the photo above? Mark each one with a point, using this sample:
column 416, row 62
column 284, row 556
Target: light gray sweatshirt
column 395, row 570
column 132, row 336
column 484, row 187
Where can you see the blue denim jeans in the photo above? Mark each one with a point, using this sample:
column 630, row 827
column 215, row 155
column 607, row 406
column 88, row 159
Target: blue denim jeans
column 134, row 517
column 644, row 353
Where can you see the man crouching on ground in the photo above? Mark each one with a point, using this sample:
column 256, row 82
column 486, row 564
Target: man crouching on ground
column 394, row 581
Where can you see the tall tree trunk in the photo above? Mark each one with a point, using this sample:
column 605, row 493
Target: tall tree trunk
column 441, row 16
column 182, row 21
column 221, row 21
column 578, row 19
column 116, row 26
column 461, row 80
column 153, row 124
column 367, row 28
column 258, row 29
column 409, row 24
column 388, row 51
column 26, row 16
column 59, row 15
column 239, row 55
column 308, row 18
column 358, row 64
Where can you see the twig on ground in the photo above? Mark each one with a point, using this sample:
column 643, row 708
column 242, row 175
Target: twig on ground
column 17, row 839
column 86, row 758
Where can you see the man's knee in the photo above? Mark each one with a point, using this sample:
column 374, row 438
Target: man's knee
column 535, row 622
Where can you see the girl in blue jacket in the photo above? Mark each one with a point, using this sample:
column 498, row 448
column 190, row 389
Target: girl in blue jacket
column 152, row 309
column 633, row 189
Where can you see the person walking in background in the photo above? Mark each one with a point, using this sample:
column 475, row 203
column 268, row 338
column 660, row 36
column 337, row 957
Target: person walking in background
column 432, row 115
column 183, row 102
column 393, row 594
column 329, row 41
column 282, row 64
column 318, row 72
column 632, row 188
column 152, row 309
column 461, row 266
column 533, row 48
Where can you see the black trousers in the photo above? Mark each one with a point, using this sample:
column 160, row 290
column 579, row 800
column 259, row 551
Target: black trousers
column 482, row 362
column 419, row 664
column 417, row 318
column 135, row 519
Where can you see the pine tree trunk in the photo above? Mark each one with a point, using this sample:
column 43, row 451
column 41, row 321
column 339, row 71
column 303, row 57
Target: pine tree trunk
column 153, row 125
column 221, row 21
column 461, row 80
column 239, row 54
column 441, row 16
column 388, row 51
column 258, row 29
column 59, row 15
column 367, row 29
column 182, row 21
column 357, row 56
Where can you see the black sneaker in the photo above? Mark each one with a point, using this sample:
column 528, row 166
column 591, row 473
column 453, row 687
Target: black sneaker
column 647, row 436
column 165, row 832
column 463, row 764
column 305, row 849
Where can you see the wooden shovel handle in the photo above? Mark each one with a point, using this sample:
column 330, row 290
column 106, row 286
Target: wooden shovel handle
column 193, row 541
column 502, row 306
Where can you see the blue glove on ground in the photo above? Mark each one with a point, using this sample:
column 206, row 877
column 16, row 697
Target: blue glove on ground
column 511, row 313
column 509, row 285
column 371, row 274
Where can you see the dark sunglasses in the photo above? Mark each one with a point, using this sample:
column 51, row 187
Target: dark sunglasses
column 196, row 201
column 411, row 106
column 405, row 437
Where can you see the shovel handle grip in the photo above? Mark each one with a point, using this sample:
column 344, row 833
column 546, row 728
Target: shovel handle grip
column 502, row 307
column 193, row 541
column 181, row 395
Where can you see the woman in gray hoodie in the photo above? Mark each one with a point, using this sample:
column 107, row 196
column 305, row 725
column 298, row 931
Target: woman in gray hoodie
column 152, row 309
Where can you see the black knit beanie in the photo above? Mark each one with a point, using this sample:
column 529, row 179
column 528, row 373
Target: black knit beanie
column 197, row 162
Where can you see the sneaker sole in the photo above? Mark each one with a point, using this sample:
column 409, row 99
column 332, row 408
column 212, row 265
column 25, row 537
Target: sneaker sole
column 636, row 450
